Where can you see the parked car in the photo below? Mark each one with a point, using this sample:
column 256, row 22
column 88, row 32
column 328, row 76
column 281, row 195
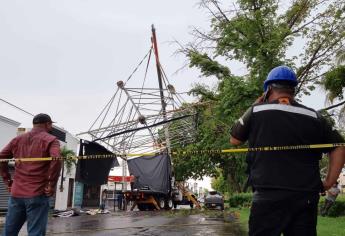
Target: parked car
column 201, row 200
column 214, row 199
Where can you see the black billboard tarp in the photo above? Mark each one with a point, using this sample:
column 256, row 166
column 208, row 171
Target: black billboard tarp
column 60, row 135
column 94, row 171
column 151, row 173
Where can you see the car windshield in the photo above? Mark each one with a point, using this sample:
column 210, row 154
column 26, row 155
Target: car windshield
column 213, row 193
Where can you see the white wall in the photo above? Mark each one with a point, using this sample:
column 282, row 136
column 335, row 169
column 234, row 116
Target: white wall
column 121, row 170
column 205, row 183
column 61, row 201
column 8, row 130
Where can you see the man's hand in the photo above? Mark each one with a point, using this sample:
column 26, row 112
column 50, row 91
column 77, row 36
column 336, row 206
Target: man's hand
column 327, row 185
column 235, row 141
column 9, row 185
column 49, row 190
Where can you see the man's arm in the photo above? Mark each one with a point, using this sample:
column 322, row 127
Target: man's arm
column 336, row 155
column 336, row 164
column 6, row 153
column 54, row 168
column 240, row 131
column 235, row 141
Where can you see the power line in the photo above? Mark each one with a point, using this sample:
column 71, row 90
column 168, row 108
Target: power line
column 21, row 109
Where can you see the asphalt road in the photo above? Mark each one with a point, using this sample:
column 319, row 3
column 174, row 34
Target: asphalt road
column 156, row 223
column 145, row 223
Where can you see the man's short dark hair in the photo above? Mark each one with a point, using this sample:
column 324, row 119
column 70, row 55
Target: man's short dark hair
column 283, row 87
column 41, row 119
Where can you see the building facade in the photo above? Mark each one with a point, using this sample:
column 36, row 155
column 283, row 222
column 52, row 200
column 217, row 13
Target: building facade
column 8, row 130
column 66, row 186
column 64, row 197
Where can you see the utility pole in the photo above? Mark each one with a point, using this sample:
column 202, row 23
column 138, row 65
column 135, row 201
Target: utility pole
column 161, row 91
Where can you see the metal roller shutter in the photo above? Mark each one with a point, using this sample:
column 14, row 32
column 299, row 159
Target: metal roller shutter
column 4, row 194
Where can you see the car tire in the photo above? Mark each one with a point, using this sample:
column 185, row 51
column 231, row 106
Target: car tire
column 168, row 204
column 161, row 203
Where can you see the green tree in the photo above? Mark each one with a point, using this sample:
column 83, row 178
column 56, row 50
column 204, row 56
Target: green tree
column 68, row 158
column 260, row 34
column 340, row 58
column 334, row 84
column 220, row 183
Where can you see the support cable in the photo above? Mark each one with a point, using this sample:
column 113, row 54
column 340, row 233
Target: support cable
column 12, row 105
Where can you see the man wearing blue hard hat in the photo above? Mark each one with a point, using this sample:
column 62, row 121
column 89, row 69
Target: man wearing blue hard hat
column 286, row 183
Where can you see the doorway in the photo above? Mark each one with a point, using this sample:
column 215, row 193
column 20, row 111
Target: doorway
column 70, row 192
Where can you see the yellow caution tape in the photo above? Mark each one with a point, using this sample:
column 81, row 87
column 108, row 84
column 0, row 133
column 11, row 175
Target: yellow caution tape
column 262, row 149
column 214, row 151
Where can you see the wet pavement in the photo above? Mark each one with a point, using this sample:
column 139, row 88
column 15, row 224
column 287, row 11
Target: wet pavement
column 154, row 223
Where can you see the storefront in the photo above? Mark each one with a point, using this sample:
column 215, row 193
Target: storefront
column 8, row 130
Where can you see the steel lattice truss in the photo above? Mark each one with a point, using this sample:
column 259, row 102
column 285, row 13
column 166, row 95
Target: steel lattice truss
column 131, row 122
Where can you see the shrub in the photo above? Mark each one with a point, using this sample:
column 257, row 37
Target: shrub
column 240, row 200
column 245, row 200
column 337, row 209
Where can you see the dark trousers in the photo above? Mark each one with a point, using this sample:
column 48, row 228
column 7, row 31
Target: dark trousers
column 290, row 214
column 119, row 203
column 33, row 210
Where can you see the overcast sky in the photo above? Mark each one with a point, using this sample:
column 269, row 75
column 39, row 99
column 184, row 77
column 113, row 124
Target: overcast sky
column 64, row 57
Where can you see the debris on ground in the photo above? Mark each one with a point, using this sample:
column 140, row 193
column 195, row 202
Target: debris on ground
column 97, row 211
column 67, row 213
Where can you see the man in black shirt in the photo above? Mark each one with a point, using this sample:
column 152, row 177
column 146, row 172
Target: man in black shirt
column 286, row 183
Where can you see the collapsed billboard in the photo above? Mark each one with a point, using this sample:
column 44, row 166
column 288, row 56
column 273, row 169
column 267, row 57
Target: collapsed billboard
column 151, row 173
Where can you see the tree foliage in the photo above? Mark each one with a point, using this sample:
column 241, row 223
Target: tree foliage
column 68, row 160
column 334, row 82
column 220, row 183
column 260, row 34
column 340, row 57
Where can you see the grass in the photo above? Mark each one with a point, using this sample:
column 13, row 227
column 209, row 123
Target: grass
column 331, row 226
column 327, row 226
column 243, row 214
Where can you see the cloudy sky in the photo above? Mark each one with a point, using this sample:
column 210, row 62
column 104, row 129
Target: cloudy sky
column 64, row 57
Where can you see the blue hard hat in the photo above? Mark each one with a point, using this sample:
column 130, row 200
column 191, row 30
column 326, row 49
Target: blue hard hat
column 281, row 73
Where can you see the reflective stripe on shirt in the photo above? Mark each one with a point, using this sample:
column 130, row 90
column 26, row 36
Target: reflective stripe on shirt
column 287, row 108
